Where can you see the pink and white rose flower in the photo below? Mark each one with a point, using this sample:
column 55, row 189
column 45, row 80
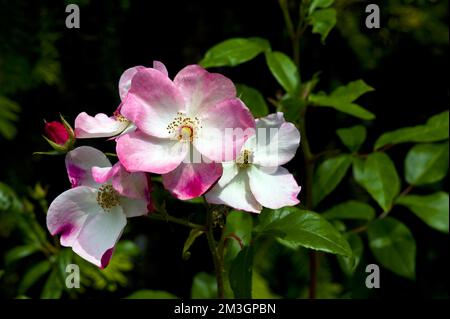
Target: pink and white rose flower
column 91, row 216
column 196, row 114
column 256, row 179
column 102, row 125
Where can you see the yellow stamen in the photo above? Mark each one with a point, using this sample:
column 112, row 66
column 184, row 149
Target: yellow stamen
column 107, row 197
column 244, row 159
column 119, row 117
column 184, row 128
column 186, row 133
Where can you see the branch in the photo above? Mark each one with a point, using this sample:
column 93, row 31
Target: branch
column 217, row 260
column 179, row 221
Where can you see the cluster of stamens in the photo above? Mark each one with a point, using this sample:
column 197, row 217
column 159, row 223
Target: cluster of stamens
column 244, row 159
column 184, row 128
column 107, row 197
column 119, row 117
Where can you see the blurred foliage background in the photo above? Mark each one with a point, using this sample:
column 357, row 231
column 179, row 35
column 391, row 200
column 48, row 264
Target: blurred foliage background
column 47, row 69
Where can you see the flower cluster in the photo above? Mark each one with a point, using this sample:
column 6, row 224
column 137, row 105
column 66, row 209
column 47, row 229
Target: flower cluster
column 195, row 132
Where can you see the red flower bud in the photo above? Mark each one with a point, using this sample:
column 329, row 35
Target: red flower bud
column 56, row 132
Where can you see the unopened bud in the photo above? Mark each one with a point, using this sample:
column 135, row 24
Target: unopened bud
column 59, row 135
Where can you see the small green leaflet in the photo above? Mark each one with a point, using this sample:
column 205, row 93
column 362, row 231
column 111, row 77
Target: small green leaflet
column 352, row 137
column 8, row 117
column 351, row 209
column 204, row 286
column 319, row 4
column 393, row 246
column 253, row 99
column 343, row 97
column 436, row 129
column 432, row 209
column 234, row 51
column 284, row 70
column 322, row 22
column 194, row 233
column 377, row 174
column 328, row 175
column 241, row 273
column 349, row 264
column 303, row 228
column 426, row 163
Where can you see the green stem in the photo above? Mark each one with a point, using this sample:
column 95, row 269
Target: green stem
column 309, row 172
column 169, row 218
column 294, row 35
column 309, row 157
column 215, row 248
column 287, row 18
column 216, row 254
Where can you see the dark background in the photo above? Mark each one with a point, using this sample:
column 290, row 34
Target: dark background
column 405, row 61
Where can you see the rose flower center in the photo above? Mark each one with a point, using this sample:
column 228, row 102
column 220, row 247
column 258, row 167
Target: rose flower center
column 244, row 159
column 107, row 197
column 184, row 128
column 119, row 117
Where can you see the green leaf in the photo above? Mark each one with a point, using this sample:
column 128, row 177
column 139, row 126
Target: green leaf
column 233, row 52
column 20, row 252
column 319, row 4
column 342, row 99
column 322, row 21
column 352, row 90
column 240, row 225
column 64, row 258
column 358, row 169
column 426, row 163
column 238, row 232
column 284, row 70
column 9, row 200
column 268, row 216
column 241, row 272
column 432, row 209
column 349, row 264
column 436, row 129
column 304, row 228
column 151, row 294
column 352, row 137
column 351, row 209
column 393, row 246
column 33, row 275
column 53, row 287
column 379, row 177
column 253, row 99
column 193, row 234
column 204, row 286
column 128, row 248
column 338, row 224
column 8, row 117
column 260, row 288
column 328, row 175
